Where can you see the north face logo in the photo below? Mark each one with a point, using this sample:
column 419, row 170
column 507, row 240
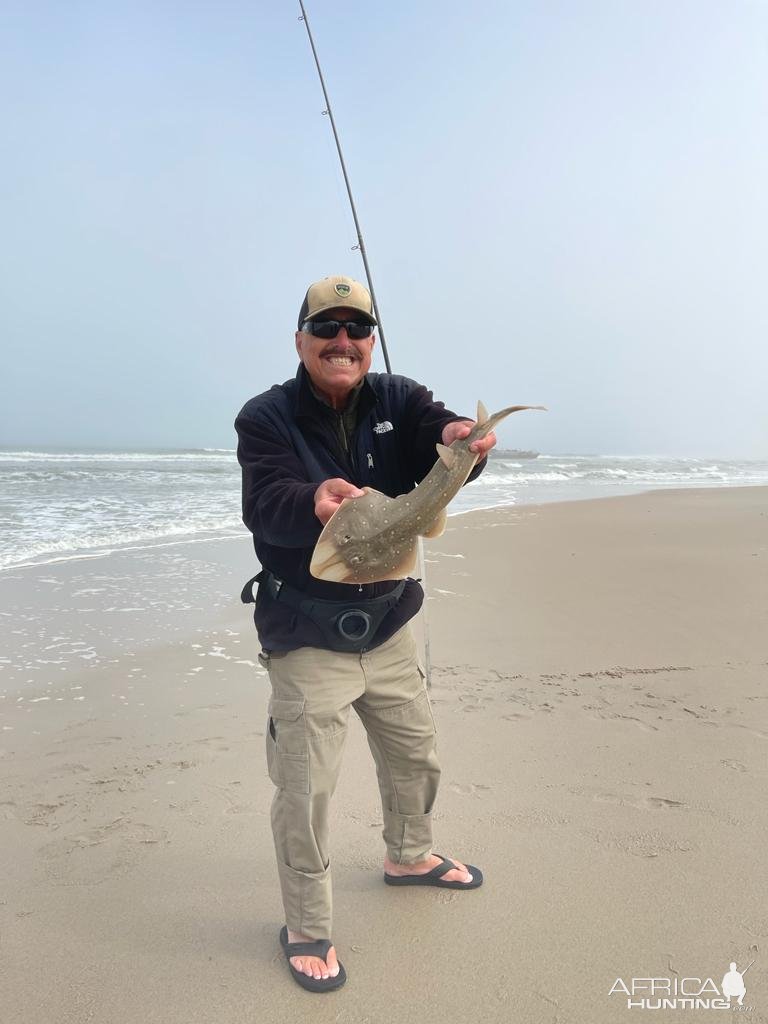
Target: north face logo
column 382, row 428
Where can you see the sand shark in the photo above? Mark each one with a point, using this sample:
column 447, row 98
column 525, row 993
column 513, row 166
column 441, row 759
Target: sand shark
column 375, row 537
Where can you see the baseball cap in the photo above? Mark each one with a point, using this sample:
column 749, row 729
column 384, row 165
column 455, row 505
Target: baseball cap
column 333, row 292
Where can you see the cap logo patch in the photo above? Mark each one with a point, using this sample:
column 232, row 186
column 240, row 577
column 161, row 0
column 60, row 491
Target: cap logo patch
column 342, row 289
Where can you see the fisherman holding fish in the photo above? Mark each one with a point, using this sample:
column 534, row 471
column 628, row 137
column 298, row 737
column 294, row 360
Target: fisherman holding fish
column 329, row 640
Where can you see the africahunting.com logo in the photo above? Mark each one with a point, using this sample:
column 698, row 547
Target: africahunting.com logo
column 684, row 993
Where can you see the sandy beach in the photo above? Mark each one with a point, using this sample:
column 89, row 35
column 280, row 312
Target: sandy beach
column 599, row 682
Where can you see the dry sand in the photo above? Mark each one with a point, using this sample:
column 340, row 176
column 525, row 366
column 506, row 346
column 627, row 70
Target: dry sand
column 599, row 685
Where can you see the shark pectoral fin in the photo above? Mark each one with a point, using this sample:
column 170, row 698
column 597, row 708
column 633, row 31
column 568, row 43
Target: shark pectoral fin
column 439, row 524
column 355, row 520
column 447, row 457
column 406, row 565
column 326, row 563
column 482, row 412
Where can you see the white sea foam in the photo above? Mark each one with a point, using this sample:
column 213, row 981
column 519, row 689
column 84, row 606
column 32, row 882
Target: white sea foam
column 59, row 506
column 94, row 456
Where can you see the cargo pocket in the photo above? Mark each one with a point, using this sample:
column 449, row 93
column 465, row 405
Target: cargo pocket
column 287, row 749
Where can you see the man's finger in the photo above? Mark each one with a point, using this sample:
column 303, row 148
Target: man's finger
column 484, row 445
column 345, row 489
column 338, row 488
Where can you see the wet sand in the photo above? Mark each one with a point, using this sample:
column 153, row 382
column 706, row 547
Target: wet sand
column 599, row 682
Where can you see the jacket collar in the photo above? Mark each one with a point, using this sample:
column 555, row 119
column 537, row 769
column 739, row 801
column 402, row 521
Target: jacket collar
column 306, row 404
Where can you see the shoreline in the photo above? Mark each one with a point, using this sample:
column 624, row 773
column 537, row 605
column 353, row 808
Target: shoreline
column 599, row 689
column 192, row 539
column 147, row 598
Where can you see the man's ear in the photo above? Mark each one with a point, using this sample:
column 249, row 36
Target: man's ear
column 298, row 344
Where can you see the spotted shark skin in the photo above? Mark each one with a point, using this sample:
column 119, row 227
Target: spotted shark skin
column 375, row 537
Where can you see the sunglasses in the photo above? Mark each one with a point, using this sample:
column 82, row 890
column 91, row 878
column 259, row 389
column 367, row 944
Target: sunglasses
column 330, row 328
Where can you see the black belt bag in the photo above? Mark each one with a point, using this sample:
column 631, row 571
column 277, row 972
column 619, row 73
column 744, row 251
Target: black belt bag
column 345, row 625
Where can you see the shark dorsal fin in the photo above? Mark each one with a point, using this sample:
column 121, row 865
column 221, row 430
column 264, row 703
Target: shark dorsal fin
column 482, row 412
column 438, row 526
column 447, row 457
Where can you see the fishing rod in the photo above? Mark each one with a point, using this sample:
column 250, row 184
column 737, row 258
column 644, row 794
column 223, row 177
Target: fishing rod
column 360, row 243
column 361, row 248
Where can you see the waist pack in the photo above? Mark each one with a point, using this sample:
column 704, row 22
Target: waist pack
column 346, row 626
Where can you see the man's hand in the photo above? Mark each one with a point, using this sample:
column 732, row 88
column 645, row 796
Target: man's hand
column 330, row 494
column 455, row 431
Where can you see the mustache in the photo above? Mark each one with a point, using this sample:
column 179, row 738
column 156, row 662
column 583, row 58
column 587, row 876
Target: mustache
column 336, row 351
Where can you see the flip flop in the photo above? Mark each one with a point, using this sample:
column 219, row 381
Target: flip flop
column 319, row 948
column 433, row 877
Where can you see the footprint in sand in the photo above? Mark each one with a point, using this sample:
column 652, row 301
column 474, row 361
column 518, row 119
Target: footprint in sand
column 737, row 766
column 94, row 855
column 468, row 788
column 8, row 810
column 641, row 844
column 529, row 817
column 447, row 897
column 72, row 769
column 660, row 802
column 469, row 702
column 652, row 844
column 755, row 732
column 645, row 726
column 643, row 803
column 51, row 815
column 84, row 741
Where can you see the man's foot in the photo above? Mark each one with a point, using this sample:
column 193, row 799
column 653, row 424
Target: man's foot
column 457, row 874
column 314, row 966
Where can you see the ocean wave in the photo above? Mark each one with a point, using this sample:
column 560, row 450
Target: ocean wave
column 114, row 539
column 163, row 475
column 183, row 455
column 505, row 479
column 61, row 505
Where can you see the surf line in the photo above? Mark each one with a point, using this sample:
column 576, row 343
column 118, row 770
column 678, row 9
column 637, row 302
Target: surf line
column 360, row 247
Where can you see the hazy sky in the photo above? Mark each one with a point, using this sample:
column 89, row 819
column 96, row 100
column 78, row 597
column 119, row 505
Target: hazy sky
column 563, row 203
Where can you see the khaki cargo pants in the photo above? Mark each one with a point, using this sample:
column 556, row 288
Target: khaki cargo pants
column 312, row 691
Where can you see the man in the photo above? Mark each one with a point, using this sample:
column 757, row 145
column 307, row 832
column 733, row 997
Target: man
column 303, row 447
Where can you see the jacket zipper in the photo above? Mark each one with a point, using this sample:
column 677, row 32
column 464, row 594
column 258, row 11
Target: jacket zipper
column 344, row 458
column 351, row 443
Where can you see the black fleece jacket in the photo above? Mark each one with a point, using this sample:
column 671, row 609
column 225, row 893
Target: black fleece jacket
column 289, row 441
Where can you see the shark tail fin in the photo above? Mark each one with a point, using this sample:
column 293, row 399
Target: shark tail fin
column 486, row 425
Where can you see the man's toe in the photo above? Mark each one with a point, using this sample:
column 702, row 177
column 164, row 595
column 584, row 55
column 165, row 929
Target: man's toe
column 459, row 873
column 316, row 968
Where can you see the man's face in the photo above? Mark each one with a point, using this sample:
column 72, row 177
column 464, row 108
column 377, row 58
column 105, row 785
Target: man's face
column 337, row 364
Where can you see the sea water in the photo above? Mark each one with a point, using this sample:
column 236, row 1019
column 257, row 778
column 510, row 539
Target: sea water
column 74, row 504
